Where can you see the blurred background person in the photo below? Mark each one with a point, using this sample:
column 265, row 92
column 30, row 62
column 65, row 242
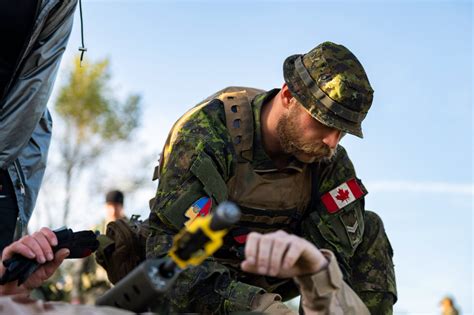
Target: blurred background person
column 447, row 306
column 114, row 210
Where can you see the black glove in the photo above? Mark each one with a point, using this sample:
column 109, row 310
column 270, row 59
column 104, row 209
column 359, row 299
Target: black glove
column 80, row 244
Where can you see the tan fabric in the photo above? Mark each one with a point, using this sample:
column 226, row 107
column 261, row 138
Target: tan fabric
column 237, row 113
column 326, row 293
column 270, row 303
column 23, row 305
column 255, row 190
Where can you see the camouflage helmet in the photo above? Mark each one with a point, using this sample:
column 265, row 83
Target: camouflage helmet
column 332, row 85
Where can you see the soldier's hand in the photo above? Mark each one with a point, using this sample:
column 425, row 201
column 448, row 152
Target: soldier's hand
column 36, row 246
column 282, row 255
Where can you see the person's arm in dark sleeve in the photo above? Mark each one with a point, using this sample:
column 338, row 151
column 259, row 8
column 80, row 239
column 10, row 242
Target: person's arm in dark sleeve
column 25, row 100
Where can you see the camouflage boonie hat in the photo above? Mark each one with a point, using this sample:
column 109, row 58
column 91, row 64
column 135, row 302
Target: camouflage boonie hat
column 332, row 85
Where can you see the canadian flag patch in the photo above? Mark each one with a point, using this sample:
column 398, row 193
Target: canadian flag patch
column 343, row 195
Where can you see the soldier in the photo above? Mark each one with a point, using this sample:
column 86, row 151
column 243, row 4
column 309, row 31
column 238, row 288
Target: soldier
column 114, row 200
column 113, row 208
column 448, row 307
column 276, row 155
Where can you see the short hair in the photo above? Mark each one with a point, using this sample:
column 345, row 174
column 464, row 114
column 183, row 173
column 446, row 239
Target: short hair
column 114, row 196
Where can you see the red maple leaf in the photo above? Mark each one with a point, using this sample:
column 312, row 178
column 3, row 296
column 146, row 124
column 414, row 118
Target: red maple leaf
column 342, row 194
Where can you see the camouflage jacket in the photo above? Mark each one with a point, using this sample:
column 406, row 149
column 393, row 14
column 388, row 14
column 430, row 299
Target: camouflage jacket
column 202, row 134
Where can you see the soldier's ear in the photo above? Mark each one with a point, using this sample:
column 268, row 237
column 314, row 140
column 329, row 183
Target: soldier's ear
column 285, row 96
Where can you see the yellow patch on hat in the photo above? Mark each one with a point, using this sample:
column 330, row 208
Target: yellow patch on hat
column 334, row 88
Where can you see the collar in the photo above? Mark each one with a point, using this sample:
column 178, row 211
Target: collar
column 261, row 161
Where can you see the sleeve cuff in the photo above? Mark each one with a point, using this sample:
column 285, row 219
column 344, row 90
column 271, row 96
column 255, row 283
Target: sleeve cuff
column 325, row 282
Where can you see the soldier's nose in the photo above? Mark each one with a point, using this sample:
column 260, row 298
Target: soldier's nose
column 332, row 138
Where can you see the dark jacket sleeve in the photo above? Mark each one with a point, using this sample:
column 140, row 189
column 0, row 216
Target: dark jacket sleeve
column 25, row 123
column 27, row 95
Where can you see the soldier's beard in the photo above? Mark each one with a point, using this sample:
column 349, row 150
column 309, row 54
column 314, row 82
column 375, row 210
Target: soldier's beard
column 291, row 142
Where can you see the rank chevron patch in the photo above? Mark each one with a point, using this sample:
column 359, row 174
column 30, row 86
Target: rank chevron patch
column 352, row 229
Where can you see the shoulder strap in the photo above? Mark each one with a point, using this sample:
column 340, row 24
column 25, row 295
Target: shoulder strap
column 239, row 119
column 226, row 95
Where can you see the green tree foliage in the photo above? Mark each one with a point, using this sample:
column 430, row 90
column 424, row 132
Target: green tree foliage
column 94, row 119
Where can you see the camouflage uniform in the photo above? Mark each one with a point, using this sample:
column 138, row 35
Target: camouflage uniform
column 202, row 157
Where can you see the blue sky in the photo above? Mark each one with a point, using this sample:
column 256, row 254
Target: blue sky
column 416, row 157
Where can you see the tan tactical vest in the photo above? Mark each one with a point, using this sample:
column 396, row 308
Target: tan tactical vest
column 269, row 199
column 270, row 190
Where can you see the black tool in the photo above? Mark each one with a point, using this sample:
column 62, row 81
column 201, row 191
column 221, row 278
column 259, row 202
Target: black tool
column 80, row 244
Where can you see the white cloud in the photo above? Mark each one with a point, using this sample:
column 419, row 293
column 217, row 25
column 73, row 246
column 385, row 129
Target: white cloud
column 416, row 186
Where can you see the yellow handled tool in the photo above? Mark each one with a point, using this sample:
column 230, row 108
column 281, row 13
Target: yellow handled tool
column 204, row 236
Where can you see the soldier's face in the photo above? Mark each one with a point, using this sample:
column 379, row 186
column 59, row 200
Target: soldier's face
column 304, row 137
